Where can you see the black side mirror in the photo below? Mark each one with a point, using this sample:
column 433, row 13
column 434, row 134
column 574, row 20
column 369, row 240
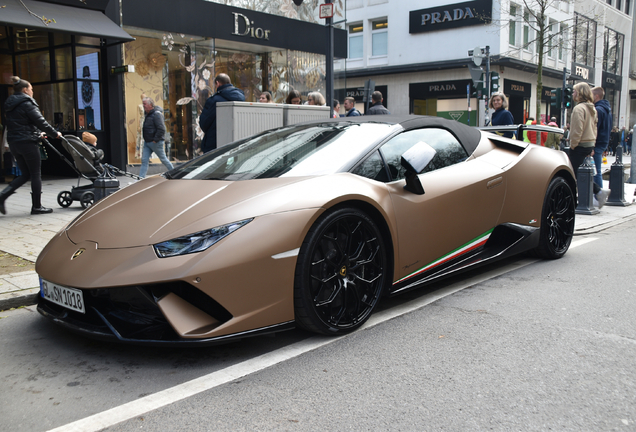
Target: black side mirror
column 414, row 160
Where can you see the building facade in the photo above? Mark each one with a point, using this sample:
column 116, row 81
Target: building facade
column 92, row 63
column 419, row 53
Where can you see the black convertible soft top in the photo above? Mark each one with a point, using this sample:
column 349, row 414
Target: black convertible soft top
column 467, row 135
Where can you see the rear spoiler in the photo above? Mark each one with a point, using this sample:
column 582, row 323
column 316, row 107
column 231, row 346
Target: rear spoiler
column 519, row 129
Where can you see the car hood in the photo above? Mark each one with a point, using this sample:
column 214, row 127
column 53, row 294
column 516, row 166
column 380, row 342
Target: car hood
column 156, row 209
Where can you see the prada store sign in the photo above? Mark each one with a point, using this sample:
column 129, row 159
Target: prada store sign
column 477, row 12
column 438, row 89
column 517, row 88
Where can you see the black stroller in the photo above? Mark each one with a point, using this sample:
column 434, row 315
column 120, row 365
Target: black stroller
column 87, row 165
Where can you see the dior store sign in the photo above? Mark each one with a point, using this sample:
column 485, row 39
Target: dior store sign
column 244, row 27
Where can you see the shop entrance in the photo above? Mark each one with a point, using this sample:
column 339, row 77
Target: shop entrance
column 518, row 109
column 453, row 109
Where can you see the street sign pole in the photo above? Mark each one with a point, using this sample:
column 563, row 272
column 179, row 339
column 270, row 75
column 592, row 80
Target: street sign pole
column 563, row 113
column 487, row 84
column 468, row 96
column 329, row 70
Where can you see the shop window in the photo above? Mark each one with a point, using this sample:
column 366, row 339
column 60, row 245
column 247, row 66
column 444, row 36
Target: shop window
column 26, row 39
column 34, row 67
column 379, row 37
column 6, row 68
column 63, row 63
column 4, row 40
column 61, row 39
column 56, row 104
column 356, row 41
column 88, row 90
column 87, row 40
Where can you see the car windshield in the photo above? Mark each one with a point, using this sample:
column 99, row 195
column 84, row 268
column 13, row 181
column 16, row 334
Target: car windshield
column 304, row 150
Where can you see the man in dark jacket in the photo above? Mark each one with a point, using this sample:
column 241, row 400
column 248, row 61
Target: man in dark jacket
column 350, row 107
column 377, row 107
column 604, row 128
column 225, row 92
column 154, row 133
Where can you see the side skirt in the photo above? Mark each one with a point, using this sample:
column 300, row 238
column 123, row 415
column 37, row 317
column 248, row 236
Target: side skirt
column 504, row 241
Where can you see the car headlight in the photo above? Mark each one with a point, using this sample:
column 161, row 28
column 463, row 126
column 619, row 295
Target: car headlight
column 198, row 241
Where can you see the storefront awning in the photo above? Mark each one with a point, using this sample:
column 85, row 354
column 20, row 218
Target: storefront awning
column 68, row 19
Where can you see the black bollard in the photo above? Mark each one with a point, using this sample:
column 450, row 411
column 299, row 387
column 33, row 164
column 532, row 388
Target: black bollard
column 617, row 181
column 584, row 180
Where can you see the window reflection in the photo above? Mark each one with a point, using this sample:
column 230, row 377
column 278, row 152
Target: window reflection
column 448, row 150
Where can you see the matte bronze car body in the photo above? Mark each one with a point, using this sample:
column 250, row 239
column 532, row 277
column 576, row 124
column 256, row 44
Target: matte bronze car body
column 315, row 248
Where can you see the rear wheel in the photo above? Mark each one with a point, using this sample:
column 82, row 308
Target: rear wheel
column 341, row 273
column 87, row 199
column 557, row 223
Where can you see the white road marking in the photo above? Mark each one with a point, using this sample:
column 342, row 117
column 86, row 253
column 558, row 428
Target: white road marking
column 582, row 241
column 160, row 399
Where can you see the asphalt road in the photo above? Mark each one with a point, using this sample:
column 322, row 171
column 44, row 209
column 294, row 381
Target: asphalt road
column 525, row 345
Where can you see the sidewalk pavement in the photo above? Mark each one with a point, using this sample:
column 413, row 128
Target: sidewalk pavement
column 25, row 235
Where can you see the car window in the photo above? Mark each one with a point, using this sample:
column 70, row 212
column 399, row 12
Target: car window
column 373, row 168
column 294, row 151
column 449, row 150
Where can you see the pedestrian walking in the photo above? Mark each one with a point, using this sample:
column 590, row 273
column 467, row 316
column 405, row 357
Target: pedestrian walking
column 25, row 128
column 603, row 132
column 154, row 133
column 583, row 133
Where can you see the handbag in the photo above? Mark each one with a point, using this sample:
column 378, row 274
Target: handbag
column 43, row 154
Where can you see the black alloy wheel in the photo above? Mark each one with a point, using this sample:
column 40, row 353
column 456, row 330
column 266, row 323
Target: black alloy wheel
column 64, row 199
column 341, row 273
column 557, row 223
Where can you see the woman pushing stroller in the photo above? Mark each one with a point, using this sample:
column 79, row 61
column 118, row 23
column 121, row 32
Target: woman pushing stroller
column 25, row 125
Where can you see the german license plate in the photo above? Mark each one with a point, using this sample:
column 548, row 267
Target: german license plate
column 69, row 298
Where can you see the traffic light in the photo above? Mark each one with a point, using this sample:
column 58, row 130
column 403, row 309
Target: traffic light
column 555, row 99
column 478, row 90
column 567, row 96
column 494, row 82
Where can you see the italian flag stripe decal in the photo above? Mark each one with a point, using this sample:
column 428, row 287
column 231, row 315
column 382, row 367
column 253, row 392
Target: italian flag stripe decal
column 468, row 247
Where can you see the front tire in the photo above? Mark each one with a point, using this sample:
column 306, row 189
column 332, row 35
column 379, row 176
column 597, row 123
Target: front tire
column 341, row 273
column 557, row 220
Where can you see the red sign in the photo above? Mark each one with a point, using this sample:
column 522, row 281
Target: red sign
column 326, row 10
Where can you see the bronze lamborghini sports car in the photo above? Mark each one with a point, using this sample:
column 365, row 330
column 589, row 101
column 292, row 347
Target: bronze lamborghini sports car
column 307, row 225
